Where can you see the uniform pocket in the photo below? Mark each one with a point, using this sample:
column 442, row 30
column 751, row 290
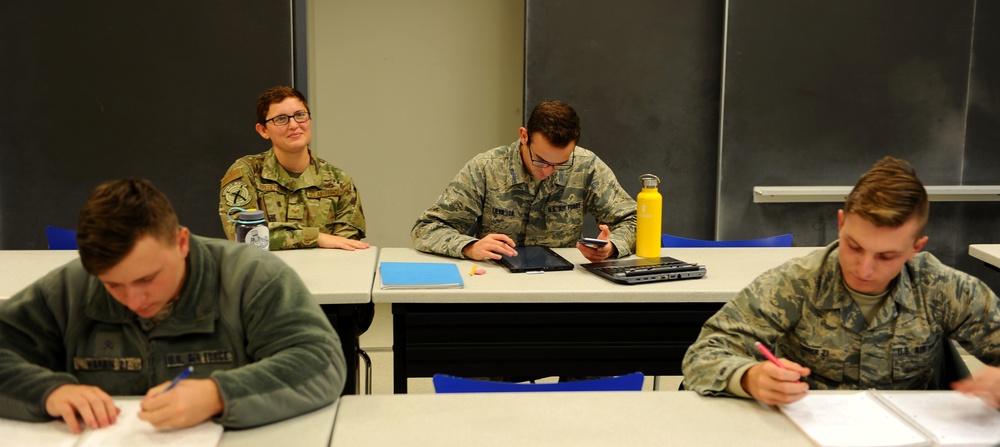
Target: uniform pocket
column 825, row 363
column 563, row 223
column 913, row 364
column 277, row 206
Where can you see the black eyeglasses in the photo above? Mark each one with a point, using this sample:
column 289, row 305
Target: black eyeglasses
column 542, row 164
column 282, row 120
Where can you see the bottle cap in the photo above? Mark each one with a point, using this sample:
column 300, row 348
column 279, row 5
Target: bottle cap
column 649, row 181
column 252, row 216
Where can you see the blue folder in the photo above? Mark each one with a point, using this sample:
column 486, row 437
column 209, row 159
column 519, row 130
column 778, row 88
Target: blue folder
column 420, row 275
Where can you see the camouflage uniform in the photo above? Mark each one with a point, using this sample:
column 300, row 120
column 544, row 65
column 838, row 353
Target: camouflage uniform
column 805, row 311
column 323, row 199
column 496, row 191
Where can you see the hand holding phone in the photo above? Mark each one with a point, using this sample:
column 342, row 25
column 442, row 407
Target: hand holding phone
column 593, row 242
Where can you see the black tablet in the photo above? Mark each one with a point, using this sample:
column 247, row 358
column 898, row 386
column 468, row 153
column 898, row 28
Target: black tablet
column 535, row 259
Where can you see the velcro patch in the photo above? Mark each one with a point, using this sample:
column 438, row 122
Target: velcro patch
column 176, row 359
column 107, row 364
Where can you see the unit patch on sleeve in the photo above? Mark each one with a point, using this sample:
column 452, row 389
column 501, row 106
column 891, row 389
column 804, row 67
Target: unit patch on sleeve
column 237, row 194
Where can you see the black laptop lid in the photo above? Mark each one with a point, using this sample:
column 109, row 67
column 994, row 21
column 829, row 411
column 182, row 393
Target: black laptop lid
column 535, row 259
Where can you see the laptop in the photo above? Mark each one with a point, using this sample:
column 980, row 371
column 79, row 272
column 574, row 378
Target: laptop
column 644, row 270
column 535, row 259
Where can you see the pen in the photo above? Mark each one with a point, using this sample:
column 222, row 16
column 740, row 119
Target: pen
column 181, row 376
column 770, row 356
column 473, row 271
column 767, row 353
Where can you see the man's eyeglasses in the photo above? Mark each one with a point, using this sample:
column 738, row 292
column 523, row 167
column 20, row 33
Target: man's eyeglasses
column 542, row 164
column 282, row 120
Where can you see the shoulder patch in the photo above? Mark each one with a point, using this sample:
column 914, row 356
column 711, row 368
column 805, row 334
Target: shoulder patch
column 233, row 174
column 236, row 194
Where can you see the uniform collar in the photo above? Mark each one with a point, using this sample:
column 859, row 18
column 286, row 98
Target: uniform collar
column 833, row 294
column 273, row 171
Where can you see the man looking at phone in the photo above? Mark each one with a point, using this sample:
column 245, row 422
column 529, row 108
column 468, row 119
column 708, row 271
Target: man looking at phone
column 534, row 192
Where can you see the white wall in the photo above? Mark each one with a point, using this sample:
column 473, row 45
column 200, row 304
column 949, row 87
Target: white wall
column 405, row 92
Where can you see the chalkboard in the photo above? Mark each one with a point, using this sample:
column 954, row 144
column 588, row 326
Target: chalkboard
column 816, row 92
column 644, row 77
column 812, row 93
column 980, row 221
column 164, row 90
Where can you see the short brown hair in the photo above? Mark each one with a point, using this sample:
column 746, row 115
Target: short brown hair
column 556, row 121
column 116, row 215
column 889, row 194
column 275, row 95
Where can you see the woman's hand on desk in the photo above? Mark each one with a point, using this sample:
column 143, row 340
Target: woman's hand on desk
column 343, row 243
column 190, row 402
column 91, row 403
column 774, row 385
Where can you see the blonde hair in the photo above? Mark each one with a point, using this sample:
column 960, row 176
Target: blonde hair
column 890, row 194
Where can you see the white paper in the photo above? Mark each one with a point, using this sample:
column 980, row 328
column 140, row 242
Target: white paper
column 130, row 431
column 850, row 420
column 952, row 418
column 37, row 434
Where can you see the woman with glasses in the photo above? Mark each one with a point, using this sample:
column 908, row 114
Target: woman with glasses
column 307, row 201
column 536, row 191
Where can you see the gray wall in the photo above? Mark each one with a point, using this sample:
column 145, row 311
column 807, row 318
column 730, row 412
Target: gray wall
column 644, row 77
column 812, row 93
column 164, row 90
column 405, row 92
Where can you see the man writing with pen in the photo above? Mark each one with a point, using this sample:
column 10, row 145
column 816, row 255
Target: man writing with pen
column 147, row 300
column 868, row 311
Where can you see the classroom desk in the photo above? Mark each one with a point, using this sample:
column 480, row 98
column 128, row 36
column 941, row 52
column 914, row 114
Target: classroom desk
column 569, row 323
column 308, row 430
column 312, row 429
column 579, row 419
column 339, row 279
column 20, row 268
column 988, row 253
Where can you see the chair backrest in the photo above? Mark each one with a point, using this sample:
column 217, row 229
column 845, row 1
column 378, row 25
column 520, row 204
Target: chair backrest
column 781, row 240
column 60, row 238
column 451, row 384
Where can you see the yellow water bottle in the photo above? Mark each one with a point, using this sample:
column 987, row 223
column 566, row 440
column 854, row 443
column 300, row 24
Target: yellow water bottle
column 648, row 218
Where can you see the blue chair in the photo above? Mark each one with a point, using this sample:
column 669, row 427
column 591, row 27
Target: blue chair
column 670, row 241
column 451, row 384
column 781, row 240
column 60, row 238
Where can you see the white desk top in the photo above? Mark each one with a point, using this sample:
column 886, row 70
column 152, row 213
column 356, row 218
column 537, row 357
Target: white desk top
column 988, row 253
column 307, row 430
column 579, row 419
column 20, row 268
column 333, row 276
column 729, row 270
column 312, row 429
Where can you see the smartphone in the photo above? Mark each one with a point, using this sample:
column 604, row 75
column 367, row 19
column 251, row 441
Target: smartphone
column 593, row 243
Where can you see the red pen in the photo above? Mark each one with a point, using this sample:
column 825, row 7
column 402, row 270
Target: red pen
column 767, row 353
column 770, row 356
